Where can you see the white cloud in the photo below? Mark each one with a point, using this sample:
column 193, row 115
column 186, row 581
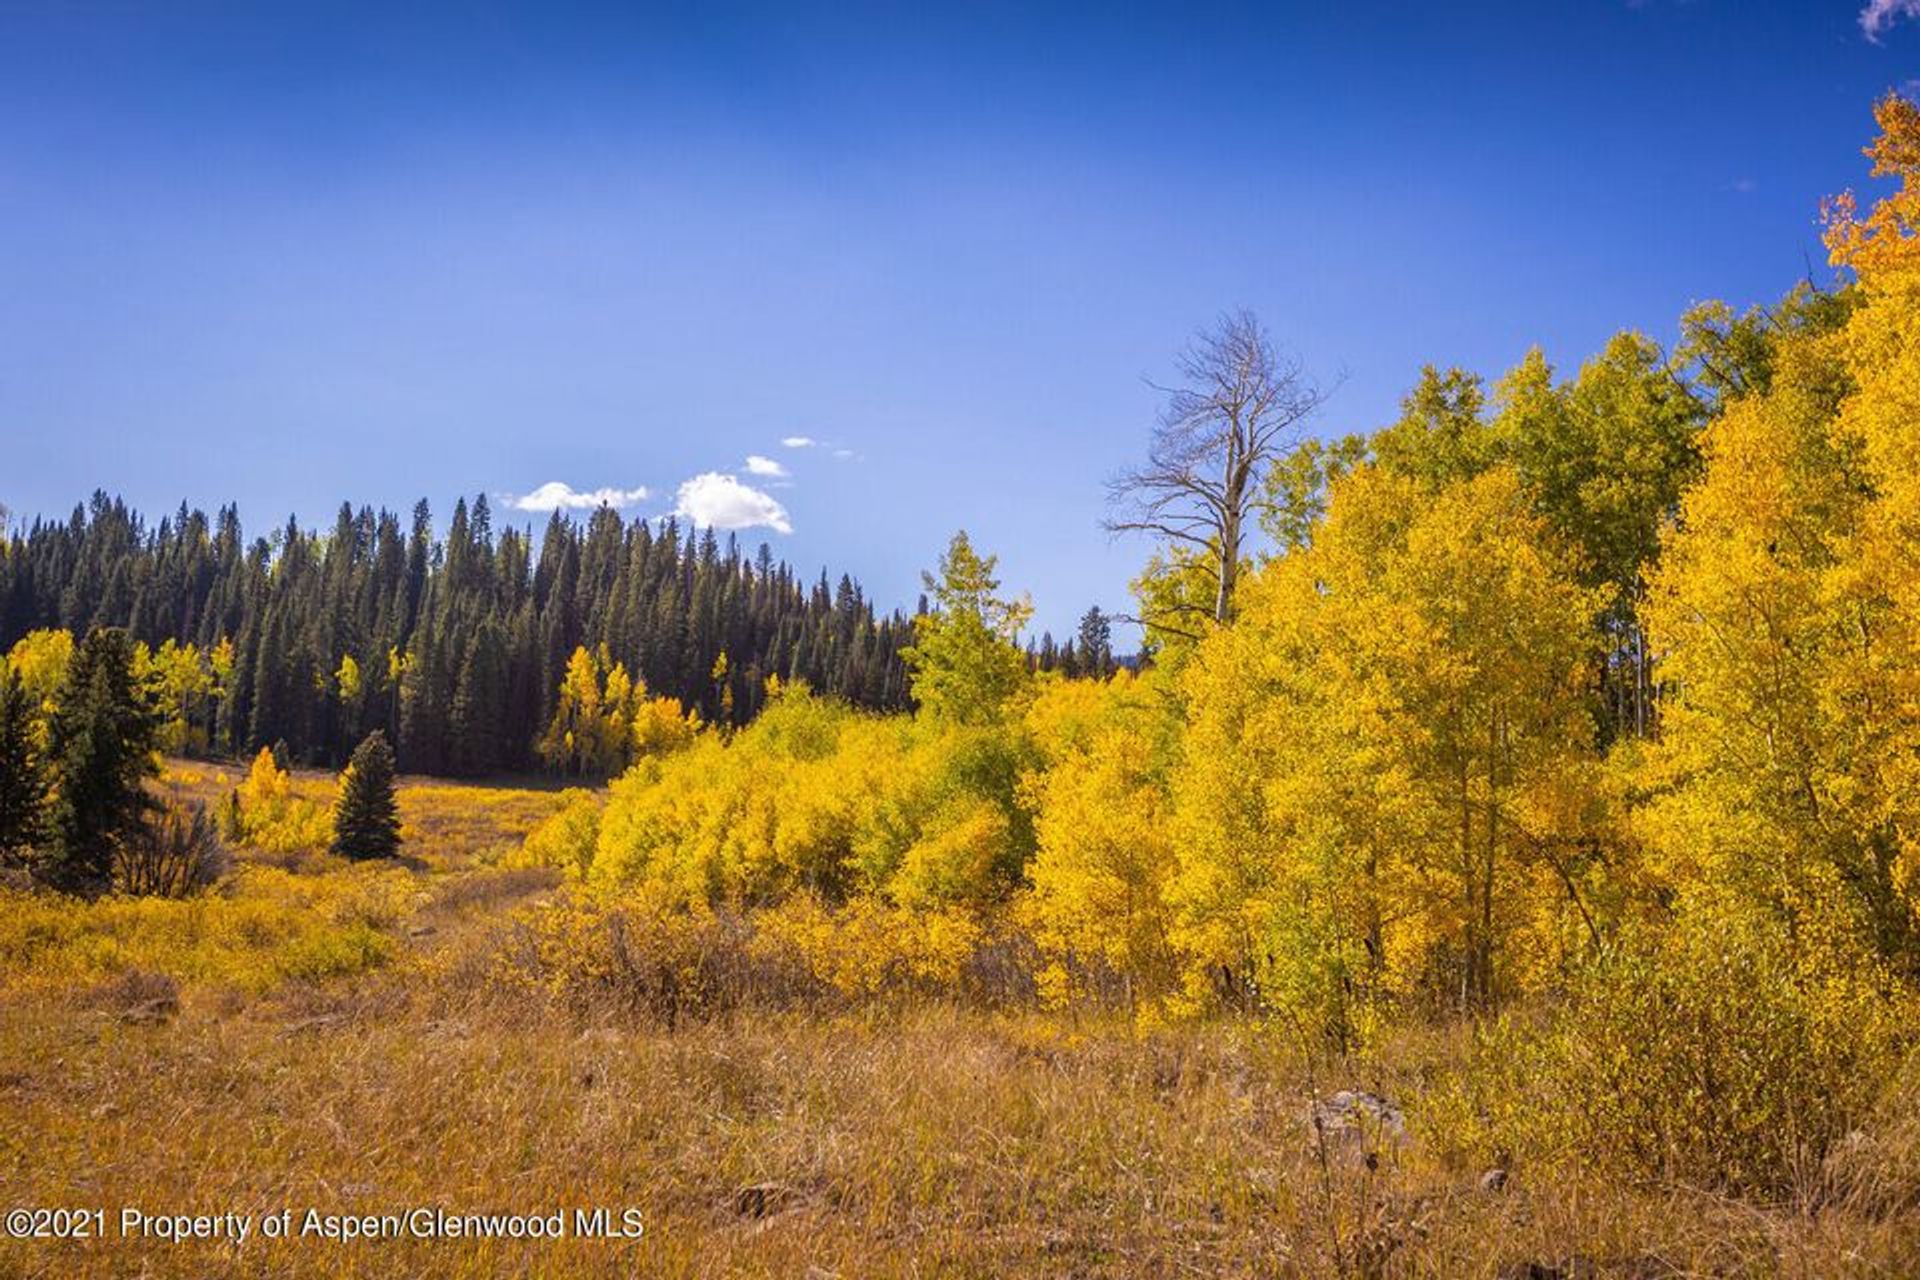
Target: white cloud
column 799, row 442
column 720, row 500
column 556, row 495
column 1882, row 14
column 844, row 453
column 760, row 466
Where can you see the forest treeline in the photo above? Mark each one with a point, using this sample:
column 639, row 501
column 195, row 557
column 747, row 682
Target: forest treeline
column 456, row 647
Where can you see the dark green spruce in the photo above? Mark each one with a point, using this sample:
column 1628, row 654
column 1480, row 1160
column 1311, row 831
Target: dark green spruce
column 23, row 778
column 366, row 820
column 100, row 741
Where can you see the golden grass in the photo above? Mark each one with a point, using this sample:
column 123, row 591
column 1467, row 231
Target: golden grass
column 929, row 1142
column 853, row 1138
column 446, row 825
column 265, row 926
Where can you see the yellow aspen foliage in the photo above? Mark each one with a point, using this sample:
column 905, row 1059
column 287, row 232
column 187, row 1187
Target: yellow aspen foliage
column 220, row 662
column 266, row 782
column 1785, row 614
column 1103, row 848
column 949, row 828
column 565, row 839
column 953, row 859
column 181, row 682
column 1373, row 793
column 1878, row 585
column 605, row 719
column 816, row 797
column 348, row 681
column 1753, row 760
column 41, row 658
column 744, row 821
column 868, row 947
column 966, row 667
column 184, row 683
column 719, row 676
column 269, row 815
column 649, row 825
column 660, row 727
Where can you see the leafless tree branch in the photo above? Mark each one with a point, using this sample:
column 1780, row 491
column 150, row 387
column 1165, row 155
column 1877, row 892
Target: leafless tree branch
column 1240, row 403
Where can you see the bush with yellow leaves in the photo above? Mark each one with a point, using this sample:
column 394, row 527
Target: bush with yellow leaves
column 267, row 814
column 1711, row 1055
column 565, row 839
column 870, row 948
column 816, row 797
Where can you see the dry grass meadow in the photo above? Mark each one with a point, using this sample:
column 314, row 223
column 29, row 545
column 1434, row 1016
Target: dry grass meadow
column 371, row 1040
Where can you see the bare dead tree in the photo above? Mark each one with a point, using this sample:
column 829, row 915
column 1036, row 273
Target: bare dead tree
column 1241, row 404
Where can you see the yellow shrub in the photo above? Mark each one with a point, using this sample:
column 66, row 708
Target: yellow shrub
column 334, row 953
column 566, row 839
column 955, row 859
column 661, row 728
column 815, row 797
column 1098, row 879
column 869, row 948
column 1709, row 1057
column 269, row 816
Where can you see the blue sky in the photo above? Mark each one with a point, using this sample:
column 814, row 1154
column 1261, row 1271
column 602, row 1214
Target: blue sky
column 290, row 254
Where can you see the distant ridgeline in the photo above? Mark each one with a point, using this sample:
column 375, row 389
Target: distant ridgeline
column 457, row 648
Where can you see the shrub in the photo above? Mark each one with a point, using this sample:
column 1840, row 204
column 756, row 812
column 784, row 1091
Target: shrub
column 1708, row 1058
column 869, row 948
column 814, row 797
column 176, row 853
column 265, row 814
column 334, row 953
column 566, row 839
column 653, row 963
column 263, row 927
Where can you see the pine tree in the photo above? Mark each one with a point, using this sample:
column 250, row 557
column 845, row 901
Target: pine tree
column 270, row 710
column 366, row 821
column 423, row 703
column 480, row 704
column 1096, row 643
column 101, row 743
column 23, row 786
